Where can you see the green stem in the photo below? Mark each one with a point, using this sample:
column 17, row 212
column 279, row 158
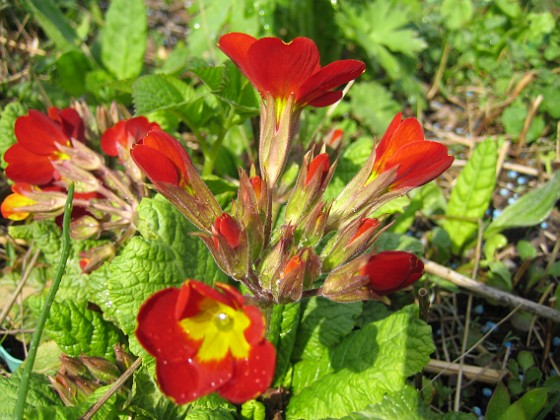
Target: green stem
column 28, row 368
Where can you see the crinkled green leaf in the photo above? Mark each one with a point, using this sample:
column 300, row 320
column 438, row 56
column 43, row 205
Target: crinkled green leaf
column 40, row 393
column 456, row 13
column 369, row 362
column 404, row 404
column 253, row 410
column 148, row 402
column 471, row 194
column 7, row 122
column 323, row 325
column 46, row 236
column 123, row 39
column 282, row 334
column 157, row 92
column 78, row 330
column 164, row 256
column 54, row 23
column 529, row 210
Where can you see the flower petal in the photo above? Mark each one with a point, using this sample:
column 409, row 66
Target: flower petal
column 251, row 376
column 186, row 380
column 38, row 133
column 419, row 163
column 328, row 78
column 112, row 136
column 158, row 330
column 389, row 271
column 280, row 68
column 70, row 121
column 26, row 166
column 236, row 46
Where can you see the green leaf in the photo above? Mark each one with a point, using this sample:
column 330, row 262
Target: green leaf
column 46, row 236
column 54, row 23
column 40, row 393
column 498, row 403
column 509, row 7
column 493, row 243
column 7, row 122
column 77, row 330
column 367, row 364
column 525, row 360
column 72, row 68
column 123, row 39
column 253, row 410
column 404, row 404
column 373, row 105
column 158, row 92
column 389, row 241
column 456, row 13
column 164, row 256
column 282, row 333
column 529, row 210
column 528, row 406
column 471, row 194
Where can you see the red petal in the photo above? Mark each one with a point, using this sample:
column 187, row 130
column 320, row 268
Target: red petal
column 326, row 99
column 157, row 166
column 251, row 376
column 236, row 46
column 281, row 68
column 227, row 227
column 70, row 121
column 397, row 136
column 389, row 271
column 255, row 333
column 328, row 78
column 138, row 127
column 187, row 380
column 192, row 294
column 159, row 331
column 319, row 165
column 419, row 163
column 168, row 146
column 38, row 133
column 112, row 136
column 26, row 166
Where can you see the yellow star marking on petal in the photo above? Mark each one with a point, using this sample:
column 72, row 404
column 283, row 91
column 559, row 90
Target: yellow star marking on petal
column 220, row 328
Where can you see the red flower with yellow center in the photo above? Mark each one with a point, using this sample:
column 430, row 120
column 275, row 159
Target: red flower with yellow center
column 206, row 341
column 417, row 160
column 16, row 200
column 283, row 69
column 29, row 160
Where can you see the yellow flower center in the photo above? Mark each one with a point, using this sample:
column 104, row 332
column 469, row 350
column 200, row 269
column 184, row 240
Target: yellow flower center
column 220, row 328
column 60, row 156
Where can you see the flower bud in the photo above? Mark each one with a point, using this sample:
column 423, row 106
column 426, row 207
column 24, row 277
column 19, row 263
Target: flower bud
column 67, row 390
column 85, row 181
column 93, row 258
column 225, row 227
column 72, row 366
column 333, row 139
column 101, row 369
column 81, row 155
column 390, row 271
column 84, row 227
column 124, row 360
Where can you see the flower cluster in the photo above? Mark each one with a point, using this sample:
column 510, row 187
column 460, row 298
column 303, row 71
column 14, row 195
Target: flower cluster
column 206, row 341
column 52, row 151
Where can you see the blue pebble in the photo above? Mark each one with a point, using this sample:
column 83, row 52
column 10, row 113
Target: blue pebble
column 544, row 225
column 512, row 174
column 556, row 341
column 487, row 327
column 507, row 344
column 477, row 411
column 504, row 192
column 487, row 392
column 511, row 200
column 496, row 213
column 438, row 332
column 479, row 309
column 522, row 180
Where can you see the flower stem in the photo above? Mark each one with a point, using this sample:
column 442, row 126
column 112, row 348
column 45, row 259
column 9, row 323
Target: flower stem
column 66, row 245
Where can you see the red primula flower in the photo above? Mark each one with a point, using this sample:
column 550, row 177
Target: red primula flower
column 226, row 228
column 390, row 271
column 417, row 160
column 162, row 158
column 125, row 133
column 283, row 69
column 29, row 160
column 205, row 341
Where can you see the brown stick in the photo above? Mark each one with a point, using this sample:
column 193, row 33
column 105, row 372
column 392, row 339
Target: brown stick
column 476, row 373
column 482, row 289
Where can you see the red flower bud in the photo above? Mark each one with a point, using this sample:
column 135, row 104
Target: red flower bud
column 227, row 228
column 389, row 271
column 365, row 225
column 256, row 182
column 319, row 166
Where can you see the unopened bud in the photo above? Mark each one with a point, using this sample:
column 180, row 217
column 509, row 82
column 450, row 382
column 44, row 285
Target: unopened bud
column 124, row 360
column 73, row 366
column 66, row 390
column 93, row 258
column 83, row 228
column 101, row 369
column 85, row 181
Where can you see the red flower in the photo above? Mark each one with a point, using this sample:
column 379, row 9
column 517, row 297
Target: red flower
column 227, row 228
column 283, row 69
column 320, row 165
column 29, row 160
column 417, row 160
column 162, row 158
column 205, row 341
column 16, row 200
column 389, row 271
column 366, row 225
column 125, row 133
